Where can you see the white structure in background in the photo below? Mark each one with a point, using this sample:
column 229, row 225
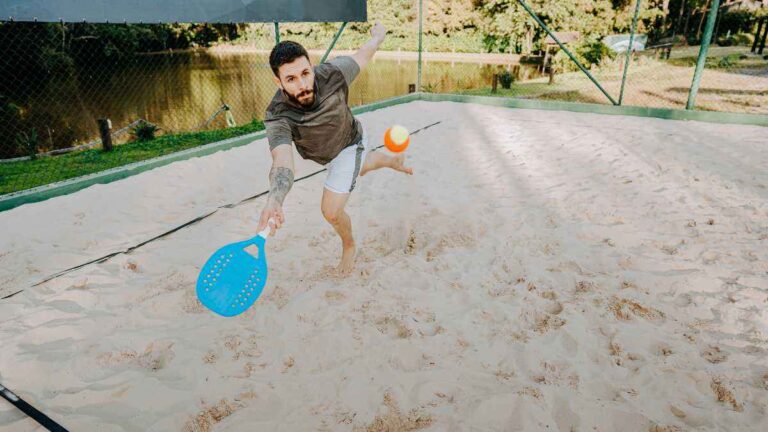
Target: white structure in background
column 620, row 43
column 745, row 4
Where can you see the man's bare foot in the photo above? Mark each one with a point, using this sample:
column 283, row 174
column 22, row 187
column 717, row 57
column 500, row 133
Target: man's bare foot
column 347, row 263
column 398, row 164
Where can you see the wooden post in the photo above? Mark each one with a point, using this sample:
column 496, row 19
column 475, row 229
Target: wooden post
column 701, row 22
column 687, row 21
column 551, row 75
column 765, row 35
column 105, row 125
column 717, row 27
column 757, row 34
column 495, row 83
column 411, row 88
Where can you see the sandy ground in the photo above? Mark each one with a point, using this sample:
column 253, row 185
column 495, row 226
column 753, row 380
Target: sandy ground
column 739, row 89
column 541, row 271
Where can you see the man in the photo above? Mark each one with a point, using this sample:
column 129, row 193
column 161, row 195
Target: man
column 311, row 109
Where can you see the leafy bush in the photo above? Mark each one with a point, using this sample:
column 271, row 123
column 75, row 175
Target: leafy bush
column 728, row 61
column 736, row 22
column 506, row 79
column 589, row 53
column 740, row 39
column 28, row 143
column 57, row 63
column 429, row 88
column 144, row 131
column 725, row 41
column 595, row 53
column 693, row 40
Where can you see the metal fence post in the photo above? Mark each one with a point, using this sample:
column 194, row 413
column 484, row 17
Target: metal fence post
column 568, row 52
column 630, row 49
column 418, row 76
column 705, row 41
column 333, row 43
column 277, row 33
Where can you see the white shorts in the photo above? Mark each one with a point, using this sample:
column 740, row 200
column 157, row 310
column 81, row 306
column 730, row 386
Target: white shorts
column 344, row 168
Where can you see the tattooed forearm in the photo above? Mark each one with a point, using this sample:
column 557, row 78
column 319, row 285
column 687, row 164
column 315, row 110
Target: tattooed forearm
column 280, row 180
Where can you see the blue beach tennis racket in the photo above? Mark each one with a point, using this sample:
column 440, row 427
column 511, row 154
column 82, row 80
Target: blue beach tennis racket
column 234, row 276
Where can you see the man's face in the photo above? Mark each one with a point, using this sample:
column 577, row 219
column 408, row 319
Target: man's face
column 297, row 79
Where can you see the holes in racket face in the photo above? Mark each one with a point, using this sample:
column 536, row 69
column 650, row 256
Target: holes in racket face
column 253, row 251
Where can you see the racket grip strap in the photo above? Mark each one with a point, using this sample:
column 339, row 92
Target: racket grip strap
column 265, row 232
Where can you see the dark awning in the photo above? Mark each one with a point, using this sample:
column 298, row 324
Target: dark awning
column 196, row 11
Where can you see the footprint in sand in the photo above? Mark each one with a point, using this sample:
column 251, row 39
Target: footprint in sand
column 763, row 381
column 683, row 300
column 156, row 356
column 502, row 290
column 664, row 350
column 210, row 357
column 209, row 415
column 662, row 428
column 556, row 374
column 395, row 420
column 456, row 239
column 242, row 348
column 714, row 355
column 191, row 304
column 724, row 393
column 332, row 297
column 394, row 327
column 79, row 217
column 542, row 322
column 625, row 309
column 583, row 287
column 554, row 308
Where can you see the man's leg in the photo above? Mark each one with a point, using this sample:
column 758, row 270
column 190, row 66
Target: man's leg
column 375, row 160
column 332, row 206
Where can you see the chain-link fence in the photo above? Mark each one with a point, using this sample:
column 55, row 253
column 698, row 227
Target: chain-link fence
column 169, row 87
column 528, row 62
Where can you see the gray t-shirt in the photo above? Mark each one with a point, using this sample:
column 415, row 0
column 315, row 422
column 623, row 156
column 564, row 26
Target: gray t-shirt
column 323, row 130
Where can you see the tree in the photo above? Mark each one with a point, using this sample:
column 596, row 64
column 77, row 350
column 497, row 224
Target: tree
column 506, row 22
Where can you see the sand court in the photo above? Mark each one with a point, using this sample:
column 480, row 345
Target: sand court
column 541, row 270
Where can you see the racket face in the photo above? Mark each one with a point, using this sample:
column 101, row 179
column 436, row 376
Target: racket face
column 232, row 278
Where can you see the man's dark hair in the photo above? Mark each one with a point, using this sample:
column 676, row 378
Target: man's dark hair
column 285, row 52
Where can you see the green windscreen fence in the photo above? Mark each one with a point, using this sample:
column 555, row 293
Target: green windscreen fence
column 176, row 85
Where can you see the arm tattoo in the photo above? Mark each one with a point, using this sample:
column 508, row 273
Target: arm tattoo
column 280, row 181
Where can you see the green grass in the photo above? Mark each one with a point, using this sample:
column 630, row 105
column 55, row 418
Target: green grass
column 562, row 90
column 724, row 62
column 18, row 176
column 519, row 90
column 535, row 91
column 657, row 83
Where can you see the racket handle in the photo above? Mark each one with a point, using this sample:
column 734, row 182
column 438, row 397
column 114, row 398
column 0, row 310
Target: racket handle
column 265, row 232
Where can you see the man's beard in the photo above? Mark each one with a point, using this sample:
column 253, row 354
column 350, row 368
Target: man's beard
column 306, row 102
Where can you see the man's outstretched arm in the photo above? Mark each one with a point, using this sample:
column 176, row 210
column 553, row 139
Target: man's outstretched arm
column 365, row 53
column 280, row 182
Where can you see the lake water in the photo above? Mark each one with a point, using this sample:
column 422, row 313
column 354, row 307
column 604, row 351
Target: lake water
column 180, row 91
